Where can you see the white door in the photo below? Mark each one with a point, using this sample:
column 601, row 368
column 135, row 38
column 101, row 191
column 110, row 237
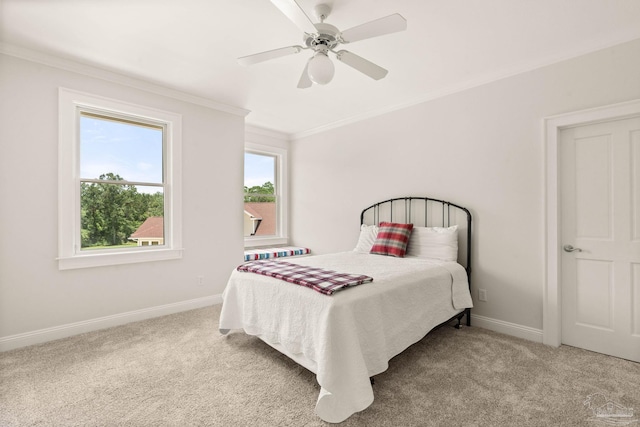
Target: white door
column 600, row 220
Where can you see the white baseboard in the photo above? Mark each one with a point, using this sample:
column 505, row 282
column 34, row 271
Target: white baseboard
column 57, row 332
column 49, row 334
column 513, row 329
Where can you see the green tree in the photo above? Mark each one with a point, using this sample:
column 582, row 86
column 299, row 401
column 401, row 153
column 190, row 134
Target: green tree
column 260, row 193
column 146, row 205
column 111, row 212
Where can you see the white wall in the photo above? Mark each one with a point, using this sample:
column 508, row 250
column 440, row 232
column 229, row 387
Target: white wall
column 482, row 148
column 36, row 299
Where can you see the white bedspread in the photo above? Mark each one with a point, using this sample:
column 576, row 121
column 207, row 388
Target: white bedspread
column 349, row 336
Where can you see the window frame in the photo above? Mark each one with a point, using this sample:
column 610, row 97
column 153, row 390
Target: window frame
column 70, row 255
column 281, row 185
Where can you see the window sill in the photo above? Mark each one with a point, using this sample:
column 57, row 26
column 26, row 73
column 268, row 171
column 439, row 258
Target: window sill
column 104, row 259
column 256, row 242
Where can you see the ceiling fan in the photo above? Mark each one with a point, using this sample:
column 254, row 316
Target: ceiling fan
column 323, row 38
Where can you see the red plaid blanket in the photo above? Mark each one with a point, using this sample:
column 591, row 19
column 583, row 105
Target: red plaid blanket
column 324, row 281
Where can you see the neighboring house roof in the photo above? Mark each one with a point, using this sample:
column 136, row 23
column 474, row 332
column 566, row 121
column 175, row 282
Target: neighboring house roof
column 266, row 211
column 251, row 212
column 152, row 227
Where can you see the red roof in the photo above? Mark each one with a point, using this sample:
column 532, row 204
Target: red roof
column 266, row 211
column 251, row 211
column 152, row 227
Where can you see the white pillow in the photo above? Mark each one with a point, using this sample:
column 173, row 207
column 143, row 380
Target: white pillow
column 439, row 243
column 368, row 234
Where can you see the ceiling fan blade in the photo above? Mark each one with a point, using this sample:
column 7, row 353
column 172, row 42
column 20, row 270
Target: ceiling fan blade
column 366, row 67
column 292, row 10
column 379, row 27
column 305, row 81
column 269, row 54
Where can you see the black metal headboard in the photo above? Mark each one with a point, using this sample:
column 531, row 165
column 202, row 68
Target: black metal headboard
column 425, row 212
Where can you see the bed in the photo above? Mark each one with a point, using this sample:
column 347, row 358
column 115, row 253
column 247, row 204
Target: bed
column 350, row 336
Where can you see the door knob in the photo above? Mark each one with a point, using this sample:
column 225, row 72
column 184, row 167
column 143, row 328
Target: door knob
column 569, row 248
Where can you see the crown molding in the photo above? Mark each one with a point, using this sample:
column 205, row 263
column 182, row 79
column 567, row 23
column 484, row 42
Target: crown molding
column 115, row 77
column 473, row 83
column 257, row 130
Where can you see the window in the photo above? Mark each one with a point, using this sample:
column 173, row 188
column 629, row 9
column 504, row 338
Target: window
column 119, row 182
column 264, row 196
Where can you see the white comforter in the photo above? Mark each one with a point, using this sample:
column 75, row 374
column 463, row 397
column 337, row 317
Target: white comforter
column 349, row 336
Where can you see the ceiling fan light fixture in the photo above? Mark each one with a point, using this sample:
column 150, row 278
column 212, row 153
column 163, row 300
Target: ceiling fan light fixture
column 323, row 38
column 321, row 68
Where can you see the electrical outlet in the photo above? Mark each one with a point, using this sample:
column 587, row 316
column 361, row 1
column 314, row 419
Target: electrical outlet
column 482, row 294
column 200, row 280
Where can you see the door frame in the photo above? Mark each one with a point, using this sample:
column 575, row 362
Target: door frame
column 551, row 293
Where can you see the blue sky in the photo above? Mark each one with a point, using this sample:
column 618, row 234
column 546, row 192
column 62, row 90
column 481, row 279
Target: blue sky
column 258, row 169
column 133, row 152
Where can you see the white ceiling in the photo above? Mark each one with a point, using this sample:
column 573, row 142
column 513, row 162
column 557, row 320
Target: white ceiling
column 192, row 46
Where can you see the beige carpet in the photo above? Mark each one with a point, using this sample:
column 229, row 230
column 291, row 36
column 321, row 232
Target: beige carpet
column 178, row 371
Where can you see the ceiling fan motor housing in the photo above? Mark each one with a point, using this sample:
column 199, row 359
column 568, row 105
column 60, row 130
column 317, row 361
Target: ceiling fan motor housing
column 327, row 35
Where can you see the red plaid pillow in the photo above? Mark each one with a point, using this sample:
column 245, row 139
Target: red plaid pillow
column 392, row 239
